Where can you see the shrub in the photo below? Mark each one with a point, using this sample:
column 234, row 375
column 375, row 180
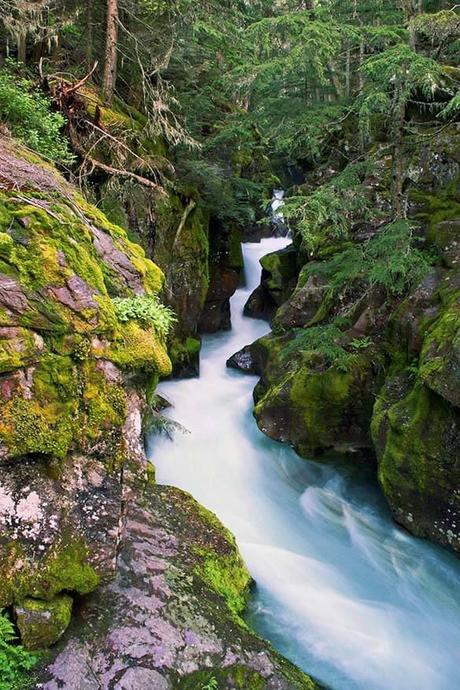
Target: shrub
column 15, row 661
column 390, row 260
column 147, row 310
column 28, row 114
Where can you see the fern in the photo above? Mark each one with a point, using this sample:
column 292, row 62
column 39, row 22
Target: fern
column 15, row 661
column 29, row 115
column 325, row 343
column 329, row 210
column 148, row 310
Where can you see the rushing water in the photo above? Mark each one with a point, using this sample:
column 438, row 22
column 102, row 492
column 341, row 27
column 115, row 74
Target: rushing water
column 341, row 590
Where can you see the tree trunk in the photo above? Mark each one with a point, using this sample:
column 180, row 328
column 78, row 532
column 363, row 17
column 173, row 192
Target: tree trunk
column 89, row 34
column 22, row 48
column 397, row 173
column 110, row 66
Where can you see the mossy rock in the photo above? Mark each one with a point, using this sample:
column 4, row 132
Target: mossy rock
column 61, row 262
column 42, row 623
column 318, row 409
column 417, row 436
column 231, row 678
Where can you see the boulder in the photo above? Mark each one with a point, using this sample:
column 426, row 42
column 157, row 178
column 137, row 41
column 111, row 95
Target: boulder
column 42, row 623
column 279, row 276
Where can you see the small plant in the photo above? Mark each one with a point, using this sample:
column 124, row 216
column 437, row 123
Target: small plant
column 325, row 341
column 15, row 661
column 27, row 112
column 148, row 310
column 157, row 424
column 329, row 210
column 212, row 684
column 390, row 260
column 361, row 343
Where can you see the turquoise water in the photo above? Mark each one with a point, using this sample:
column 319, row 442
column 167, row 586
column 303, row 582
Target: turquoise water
column 342, row 591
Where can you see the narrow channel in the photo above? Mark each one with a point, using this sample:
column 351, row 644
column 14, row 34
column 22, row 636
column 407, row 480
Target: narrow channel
column 343, row 592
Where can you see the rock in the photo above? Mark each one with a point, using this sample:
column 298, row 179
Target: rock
column 42, row 623
column 226, row 265
column 317, row 409
column 58, row 534
column 243, row 360
column 19, row 348
column 55, row 397
column 440, row 356
column 117, row 260
column 303, row 304
column 279, row 275
column 11, row 295
column 417, row 437
column 447, row 239
column 172, row 611
column 77, row 295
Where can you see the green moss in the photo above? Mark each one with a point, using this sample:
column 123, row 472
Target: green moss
column 42, row 623
column 139, row 348
column 313, row 406
column 65, row 568
column 234, row 677
column 184, row 353
column 17, row 351
column 25, row 428
column 413, row 457
column 227, row 575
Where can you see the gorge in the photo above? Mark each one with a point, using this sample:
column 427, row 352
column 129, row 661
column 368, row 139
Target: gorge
column 229, row 345
column 340, row 589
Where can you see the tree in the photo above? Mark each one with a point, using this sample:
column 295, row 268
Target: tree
column 110, row 57
column 392, row 78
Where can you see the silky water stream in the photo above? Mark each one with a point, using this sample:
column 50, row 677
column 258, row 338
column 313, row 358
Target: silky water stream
column 341, row 591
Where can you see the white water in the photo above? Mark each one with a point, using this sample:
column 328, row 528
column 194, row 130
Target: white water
column 344, row 593
column 277, row 202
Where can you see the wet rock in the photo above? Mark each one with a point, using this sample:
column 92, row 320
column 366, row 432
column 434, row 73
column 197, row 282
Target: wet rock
column 417, row 437
column 243, row 360
column 42, row 623
column 279, row 276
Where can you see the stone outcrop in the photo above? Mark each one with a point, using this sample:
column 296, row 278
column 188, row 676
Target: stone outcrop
column 279, row 276
column 72, row 391
column 226, row 265
column 170, row 619
column 378, row 372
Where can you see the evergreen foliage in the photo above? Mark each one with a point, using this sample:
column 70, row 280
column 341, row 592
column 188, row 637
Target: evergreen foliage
column 390, row 260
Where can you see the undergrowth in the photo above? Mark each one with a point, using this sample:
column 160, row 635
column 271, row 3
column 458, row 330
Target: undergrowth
column 28, row 114
column 15, row 661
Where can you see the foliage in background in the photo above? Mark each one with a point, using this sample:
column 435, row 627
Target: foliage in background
column 328, row 211
column 391, row 260
column 29, row 116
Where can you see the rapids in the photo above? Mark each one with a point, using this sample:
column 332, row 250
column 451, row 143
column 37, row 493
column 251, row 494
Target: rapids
column 342, row 591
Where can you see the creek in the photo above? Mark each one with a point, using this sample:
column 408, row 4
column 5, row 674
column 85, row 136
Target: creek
column 341, row 590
